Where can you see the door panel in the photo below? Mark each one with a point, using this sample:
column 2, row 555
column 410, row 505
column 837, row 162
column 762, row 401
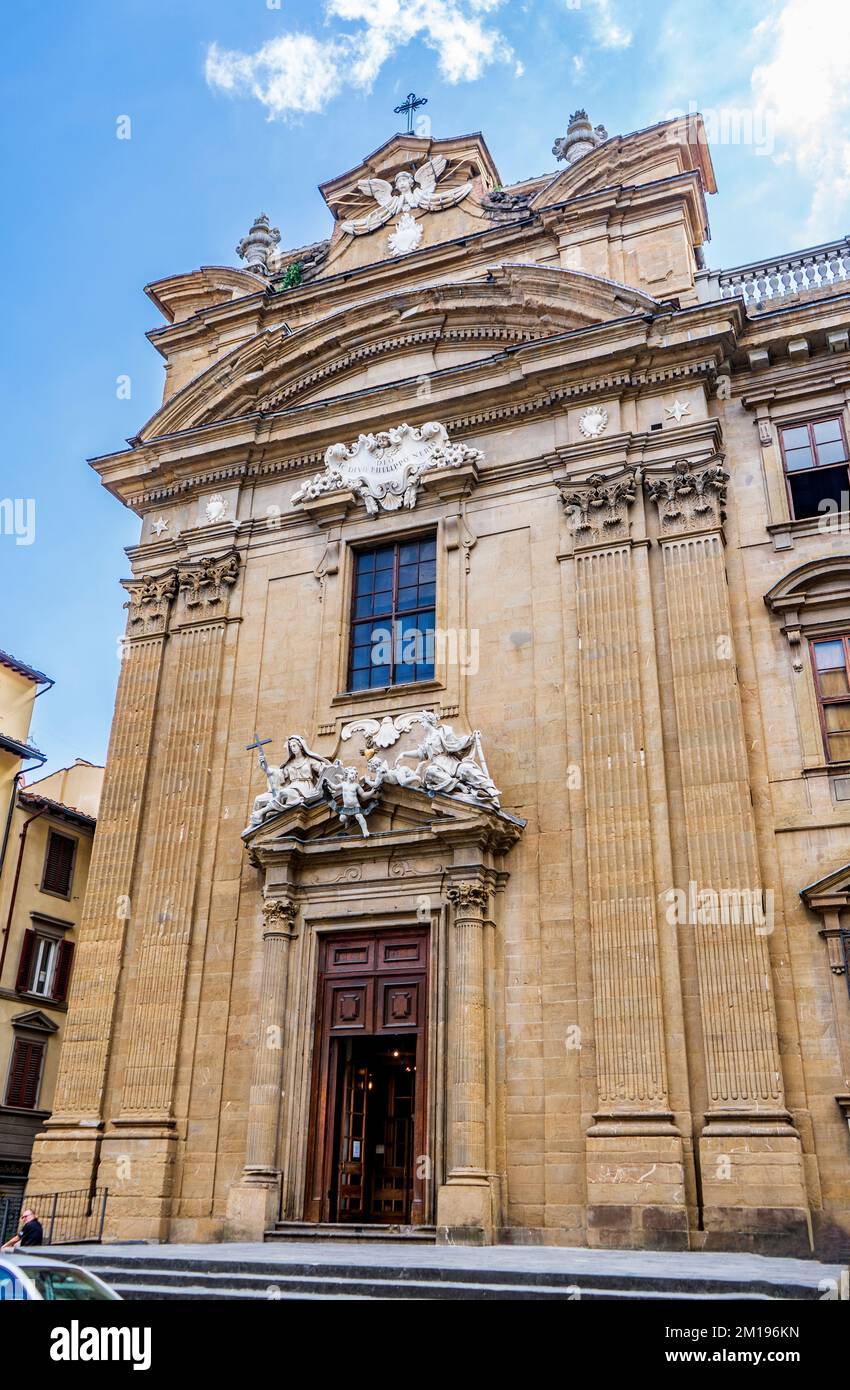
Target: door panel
column 368, row 1101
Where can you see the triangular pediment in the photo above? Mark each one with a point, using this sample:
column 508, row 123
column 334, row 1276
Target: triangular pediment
column 452, row 176
column 35, row 1021
column 831, row 891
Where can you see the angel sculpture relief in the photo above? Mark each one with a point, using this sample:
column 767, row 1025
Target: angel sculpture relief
column 409, row 191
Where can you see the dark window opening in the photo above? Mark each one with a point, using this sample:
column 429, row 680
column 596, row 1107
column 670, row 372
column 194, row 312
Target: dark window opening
column 816, row 466
column 392, row 614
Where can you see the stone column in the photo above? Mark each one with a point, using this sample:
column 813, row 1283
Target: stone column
column 66, row 1155
column 139, row 1153
column 464, row 1202
column 635, row 1169
column 254, row 1203
column 750, row 1156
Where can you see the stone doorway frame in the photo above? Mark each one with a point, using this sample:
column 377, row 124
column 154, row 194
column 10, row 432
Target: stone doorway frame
column 429, row 861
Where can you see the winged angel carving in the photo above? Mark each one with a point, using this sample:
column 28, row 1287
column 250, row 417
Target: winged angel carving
column 410, row 191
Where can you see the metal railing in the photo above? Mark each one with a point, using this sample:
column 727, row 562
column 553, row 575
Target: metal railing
column 762, row 283
column 70, row 1218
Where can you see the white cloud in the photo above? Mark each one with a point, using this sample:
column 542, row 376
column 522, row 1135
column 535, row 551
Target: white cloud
column 297, row 73
column 804, row 83
column 607, row 29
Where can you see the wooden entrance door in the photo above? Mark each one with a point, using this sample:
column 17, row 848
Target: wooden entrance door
column 369, row 1083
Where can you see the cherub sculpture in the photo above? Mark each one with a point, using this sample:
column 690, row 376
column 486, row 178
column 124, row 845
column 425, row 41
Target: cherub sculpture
column 354, row 799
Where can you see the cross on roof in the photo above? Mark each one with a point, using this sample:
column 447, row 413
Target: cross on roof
column 408, row 106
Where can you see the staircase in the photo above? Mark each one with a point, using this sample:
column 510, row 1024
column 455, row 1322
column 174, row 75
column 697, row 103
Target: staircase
column 307, row 1271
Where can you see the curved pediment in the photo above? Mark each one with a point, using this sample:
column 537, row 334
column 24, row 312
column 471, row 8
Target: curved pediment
column 397, row 337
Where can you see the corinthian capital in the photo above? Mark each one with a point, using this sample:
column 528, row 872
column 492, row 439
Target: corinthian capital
column 278, row 915
column 206, row 581
column 149, row 602
column 468, row 898
column 690, row 498
column 599, row 509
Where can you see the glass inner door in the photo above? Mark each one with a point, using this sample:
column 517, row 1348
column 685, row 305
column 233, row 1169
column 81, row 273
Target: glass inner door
column 377, row 1091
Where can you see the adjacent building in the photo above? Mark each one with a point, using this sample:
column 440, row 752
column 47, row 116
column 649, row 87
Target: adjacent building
column 515, row 541
column 48, row 832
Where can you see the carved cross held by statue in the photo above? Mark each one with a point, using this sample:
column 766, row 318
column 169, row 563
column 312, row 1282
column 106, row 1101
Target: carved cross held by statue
column 259, row 744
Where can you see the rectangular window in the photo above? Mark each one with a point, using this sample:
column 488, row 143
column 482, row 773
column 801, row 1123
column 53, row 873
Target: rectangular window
column 832, row 675
column 816, row 467
column 392, row 614
column 24, row 1074
column 45, row 966
column 59, row 864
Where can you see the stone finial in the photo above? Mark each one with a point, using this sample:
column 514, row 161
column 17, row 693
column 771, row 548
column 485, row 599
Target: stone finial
column 581, row 138
column 256, row 248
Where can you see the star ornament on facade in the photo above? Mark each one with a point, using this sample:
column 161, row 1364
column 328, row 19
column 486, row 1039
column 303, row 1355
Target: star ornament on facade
column 677, row 411
column 159, row 526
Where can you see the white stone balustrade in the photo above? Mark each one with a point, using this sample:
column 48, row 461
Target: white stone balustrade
column 800, row 273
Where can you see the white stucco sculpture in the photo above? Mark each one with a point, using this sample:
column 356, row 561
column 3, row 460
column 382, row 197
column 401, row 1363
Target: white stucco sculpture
column 295, row 781
column 409, row 191
column 385, row 469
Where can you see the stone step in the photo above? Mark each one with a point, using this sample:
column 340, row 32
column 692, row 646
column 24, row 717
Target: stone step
column 389, row 1277
column 186, row 1284
column 351, row 1234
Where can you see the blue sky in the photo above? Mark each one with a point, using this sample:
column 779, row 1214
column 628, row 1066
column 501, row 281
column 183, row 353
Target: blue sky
column 238, row 106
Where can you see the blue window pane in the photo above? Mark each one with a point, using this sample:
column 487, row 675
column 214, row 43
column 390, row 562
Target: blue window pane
column 427, row 593
column 365, row 561
column 827, row 429
column 361, row 657
column 384, row 559
column 408, row 574
column 360, row 679
column 406, row 599
column 796, row 438
column 363, row 607
column 362, row 634
column 383, row 581
column 379, row 675
column 831, row 453
column 408, row 554
column 427, row 570
column 428, row 550
column 405, row 674
column 795, row 459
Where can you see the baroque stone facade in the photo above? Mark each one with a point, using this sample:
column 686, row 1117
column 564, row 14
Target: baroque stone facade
column 603, row 942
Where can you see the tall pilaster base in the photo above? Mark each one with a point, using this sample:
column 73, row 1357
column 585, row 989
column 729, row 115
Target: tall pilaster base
column 636, row 1185
column 753, row 1186
column 253, row 1206
column 137, row 1166
column 466, row 1206
column 65, row 1158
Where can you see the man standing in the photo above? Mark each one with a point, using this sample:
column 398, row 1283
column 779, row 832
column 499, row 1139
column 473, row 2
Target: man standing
column 30, row 1232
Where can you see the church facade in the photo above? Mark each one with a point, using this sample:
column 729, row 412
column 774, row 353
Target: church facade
column 473, row 850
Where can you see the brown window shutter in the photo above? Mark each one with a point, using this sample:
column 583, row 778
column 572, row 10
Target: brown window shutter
column 24, row 1074
column 25, row 963
column 59, row 863
column 62, row 974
